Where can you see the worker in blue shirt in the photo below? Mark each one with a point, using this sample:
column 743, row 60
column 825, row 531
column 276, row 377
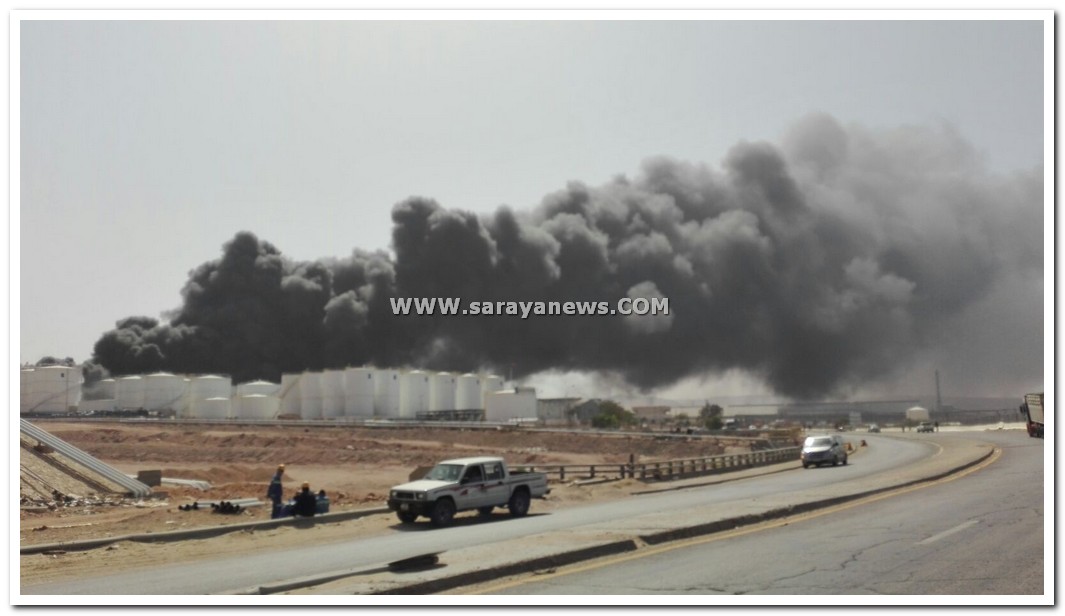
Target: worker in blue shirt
column 275, row 492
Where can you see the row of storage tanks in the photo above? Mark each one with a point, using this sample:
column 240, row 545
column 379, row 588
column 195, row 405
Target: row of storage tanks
column 373, row 392
column 352, row 392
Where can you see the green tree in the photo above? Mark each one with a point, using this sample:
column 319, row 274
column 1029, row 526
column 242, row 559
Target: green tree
column 612, row 415
column 711, row 416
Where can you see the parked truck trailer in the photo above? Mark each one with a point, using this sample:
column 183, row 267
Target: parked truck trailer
column 1032, row 409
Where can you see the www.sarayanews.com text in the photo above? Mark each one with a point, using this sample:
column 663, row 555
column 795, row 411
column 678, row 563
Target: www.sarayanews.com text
column 445, row 306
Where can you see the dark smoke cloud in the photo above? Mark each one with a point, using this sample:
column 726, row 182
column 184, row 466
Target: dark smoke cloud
column 815, row 264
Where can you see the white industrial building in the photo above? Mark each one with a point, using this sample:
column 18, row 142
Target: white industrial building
column 507, row 405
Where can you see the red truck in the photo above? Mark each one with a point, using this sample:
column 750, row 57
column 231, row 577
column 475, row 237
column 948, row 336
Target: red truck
column 1032, row 409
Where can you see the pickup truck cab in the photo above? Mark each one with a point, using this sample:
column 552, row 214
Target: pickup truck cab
column 465, row 484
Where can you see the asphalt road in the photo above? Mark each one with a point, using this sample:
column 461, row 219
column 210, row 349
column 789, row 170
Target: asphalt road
column 978, row 535
column 236, row 572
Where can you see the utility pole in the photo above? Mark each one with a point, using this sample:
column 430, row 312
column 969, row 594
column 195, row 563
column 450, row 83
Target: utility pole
column 939, row 400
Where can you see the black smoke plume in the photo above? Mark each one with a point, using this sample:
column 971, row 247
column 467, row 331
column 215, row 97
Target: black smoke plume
column 827, row 260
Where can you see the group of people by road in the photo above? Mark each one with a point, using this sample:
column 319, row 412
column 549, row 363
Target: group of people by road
column 304, row 503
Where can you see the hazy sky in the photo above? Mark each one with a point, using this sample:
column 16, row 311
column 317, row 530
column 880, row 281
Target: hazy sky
column 146, row 145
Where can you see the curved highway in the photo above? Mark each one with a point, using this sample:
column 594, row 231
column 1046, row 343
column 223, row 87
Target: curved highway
column 232, row 573
column 982, row 534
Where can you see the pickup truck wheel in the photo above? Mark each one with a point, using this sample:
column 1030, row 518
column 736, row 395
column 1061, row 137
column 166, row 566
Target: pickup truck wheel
column 407, row 517
column 485, row 511
column 443, row 512
column 519, row 503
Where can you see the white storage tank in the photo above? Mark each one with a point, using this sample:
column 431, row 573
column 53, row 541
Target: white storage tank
column 359, row 392
column 25, row 378
column 258, row 406
column 386, row 390
column 129, row 392
column 311, row 395
column 442, row 392
column 413, row 394
column 53, row 389
column 510, row 404
column 333, row 393
column 468, row 393
column 106, row 389
column 265, row 388
column 187, row 410
column 206, row 387
column 214, row 408
column 164, row 391
column 210, row 386
column 489, row 384
column 290, row 394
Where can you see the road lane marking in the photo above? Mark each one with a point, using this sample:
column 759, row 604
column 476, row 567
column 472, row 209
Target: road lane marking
column 996, row 453
column 948, row 532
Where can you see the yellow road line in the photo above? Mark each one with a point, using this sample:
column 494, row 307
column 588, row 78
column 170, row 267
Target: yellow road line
column 677, row 545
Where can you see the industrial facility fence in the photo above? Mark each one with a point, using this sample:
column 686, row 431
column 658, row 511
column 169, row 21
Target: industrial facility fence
column 667, row 470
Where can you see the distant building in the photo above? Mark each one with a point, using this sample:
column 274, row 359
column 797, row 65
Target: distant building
column 879, row 411
column 585, row 411
column 518, row 404
column 651, row 414
column 555, row 410
column 747, row 414
column 917, row 413
column 691, row 412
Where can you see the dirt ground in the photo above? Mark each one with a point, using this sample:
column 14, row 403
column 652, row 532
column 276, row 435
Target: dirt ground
column 355, row 466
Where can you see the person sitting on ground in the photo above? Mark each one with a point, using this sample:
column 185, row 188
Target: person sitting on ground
column 306, row 502
column 322, row 502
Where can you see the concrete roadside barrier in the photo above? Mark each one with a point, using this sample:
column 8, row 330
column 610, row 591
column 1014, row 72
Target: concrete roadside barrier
column 203, row 532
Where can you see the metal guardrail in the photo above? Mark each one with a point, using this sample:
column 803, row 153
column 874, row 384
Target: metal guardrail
column 135, row 487
column 667, row 470
column 757, row 436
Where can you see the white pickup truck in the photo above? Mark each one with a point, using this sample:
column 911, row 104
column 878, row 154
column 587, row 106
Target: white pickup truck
column 465, row 484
